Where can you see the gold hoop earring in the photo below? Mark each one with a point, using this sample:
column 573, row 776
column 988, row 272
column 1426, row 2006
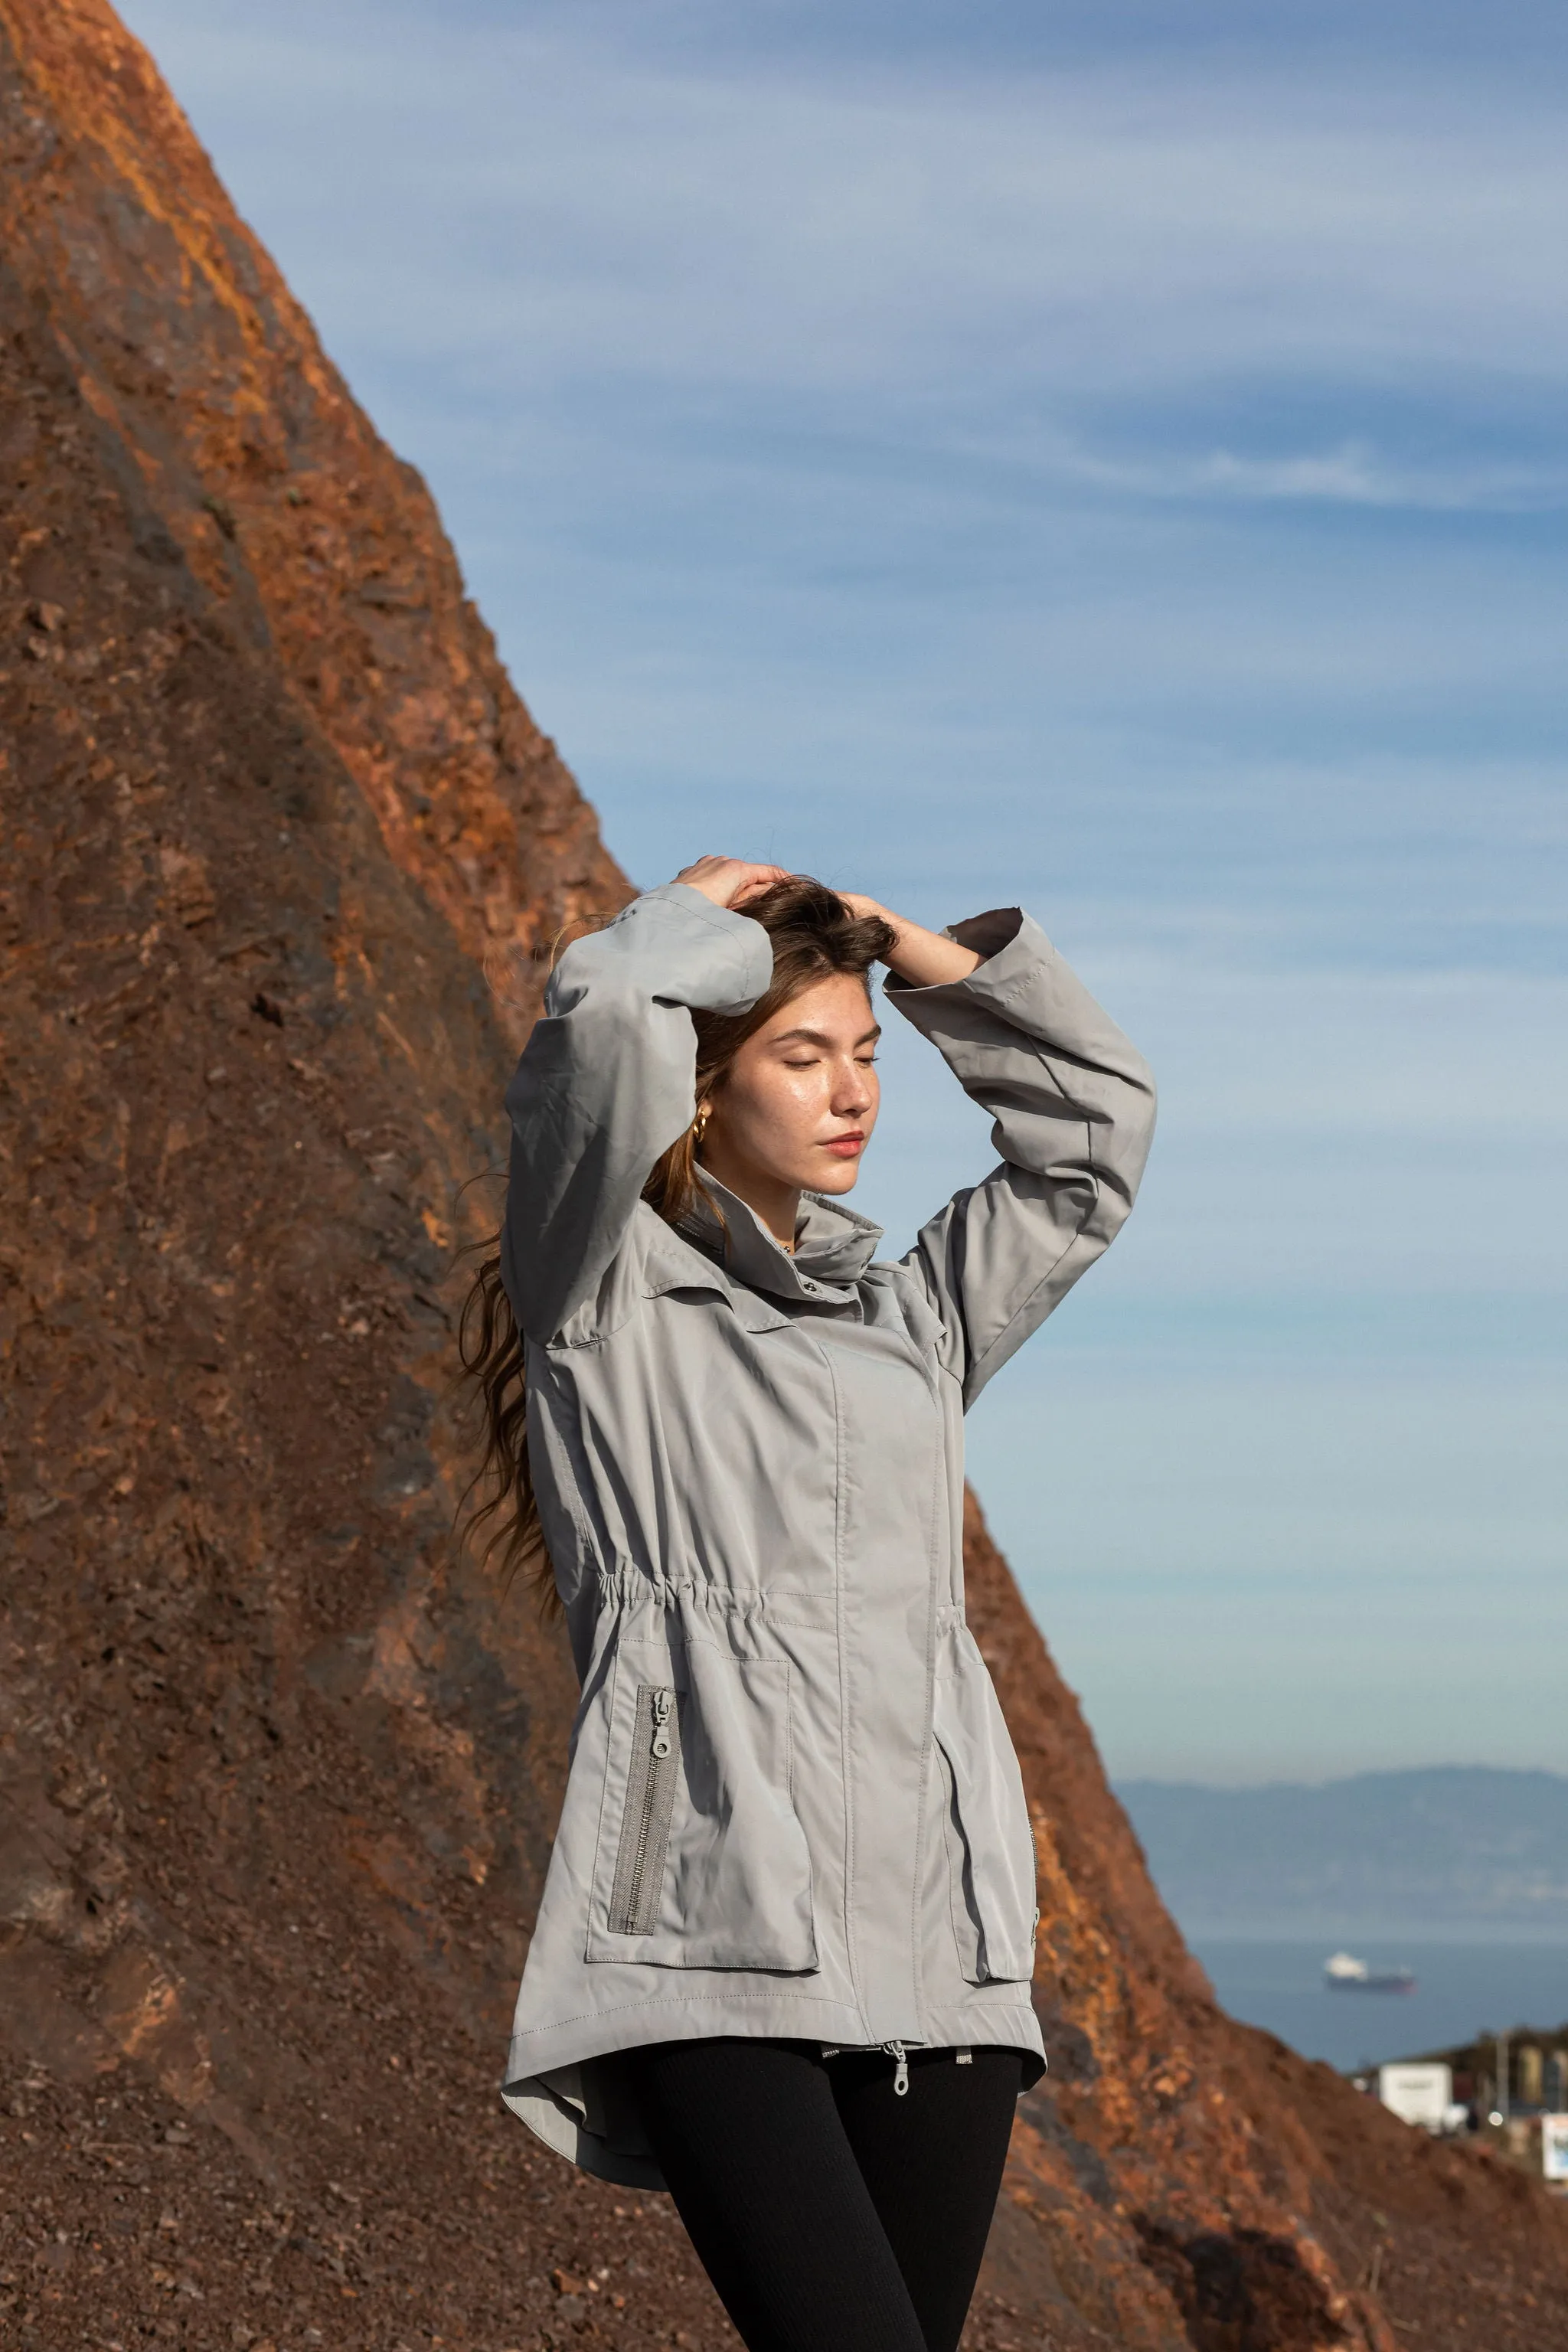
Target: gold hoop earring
column 699, row 1125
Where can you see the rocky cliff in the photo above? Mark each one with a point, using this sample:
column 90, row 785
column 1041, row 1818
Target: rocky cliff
column 277, row 1769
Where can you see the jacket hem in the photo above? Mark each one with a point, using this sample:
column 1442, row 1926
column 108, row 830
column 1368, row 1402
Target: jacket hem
column 561, row 2098
column 784, row 2016
column 990, row 2025
column 557, row 2124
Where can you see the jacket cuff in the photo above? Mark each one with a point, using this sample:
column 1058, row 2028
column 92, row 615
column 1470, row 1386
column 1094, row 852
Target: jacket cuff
column 990, row 935
column 1014, row 954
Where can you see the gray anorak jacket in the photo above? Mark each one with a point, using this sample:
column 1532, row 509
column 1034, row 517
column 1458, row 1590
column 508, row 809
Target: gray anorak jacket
column 793, row 1807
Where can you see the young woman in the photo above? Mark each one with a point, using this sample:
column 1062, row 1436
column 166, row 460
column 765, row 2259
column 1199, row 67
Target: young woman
column 783, row 1960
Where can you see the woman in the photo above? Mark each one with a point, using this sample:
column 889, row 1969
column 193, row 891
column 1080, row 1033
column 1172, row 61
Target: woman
column 783, row 1959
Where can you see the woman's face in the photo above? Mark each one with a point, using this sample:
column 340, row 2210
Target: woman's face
column 796, row 1106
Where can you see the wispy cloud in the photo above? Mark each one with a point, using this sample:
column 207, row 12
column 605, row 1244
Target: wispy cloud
column 575, row 207
column 1352, row 473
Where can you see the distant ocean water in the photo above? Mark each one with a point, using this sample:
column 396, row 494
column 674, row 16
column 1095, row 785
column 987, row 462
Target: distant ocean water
column 1462, row 1989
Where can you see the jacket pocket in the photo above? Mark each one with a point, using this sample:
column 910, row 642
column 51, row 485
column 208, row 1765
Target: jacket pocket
column 702, row 1861
column 985, row 1826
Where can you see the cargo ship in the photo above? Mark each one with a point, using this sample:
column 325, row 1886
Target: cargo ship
column 1344, row 1973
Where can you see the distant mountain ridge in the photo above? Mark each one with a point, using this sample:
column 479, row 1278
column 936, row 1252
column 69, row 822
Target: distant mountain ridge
column 1453, row 1845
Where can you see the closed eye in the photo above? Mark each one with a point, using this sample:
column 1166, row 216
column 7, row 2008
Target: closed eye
column 817, row 1038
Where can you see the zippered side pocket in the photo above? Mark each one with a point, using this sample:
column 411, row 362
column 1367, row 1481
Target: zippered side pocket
column 650, row 1802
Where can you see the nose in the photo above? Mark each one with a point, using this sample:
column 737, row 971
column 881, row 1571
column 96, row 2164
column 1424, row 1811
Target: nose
column 854, row 1091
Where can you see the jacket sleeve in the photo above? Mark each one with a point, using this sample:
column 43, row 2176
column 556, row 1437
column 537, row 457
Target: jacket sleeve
column 606, row 1084
column 1074, row 1107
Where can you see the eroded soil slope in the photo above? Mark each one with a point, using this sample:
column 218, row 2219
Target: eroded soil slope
column 278, row 1774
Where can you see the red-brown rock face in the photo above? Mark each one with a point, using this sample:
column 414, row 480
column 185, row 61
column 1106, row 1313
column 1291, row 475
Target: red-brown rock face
column 278, row 1774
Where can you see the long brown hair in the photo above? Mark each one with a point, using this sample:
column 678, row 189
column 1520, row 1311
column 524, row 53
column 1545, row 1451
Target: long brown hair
column 815, row 935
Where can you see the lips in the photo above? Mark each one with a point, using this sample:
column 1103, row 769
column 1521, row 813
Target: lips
column 846, row 1147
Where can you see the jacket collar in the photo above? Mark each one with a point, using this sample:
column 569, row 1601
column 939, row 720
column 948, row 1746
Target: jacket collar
column 833, row 1245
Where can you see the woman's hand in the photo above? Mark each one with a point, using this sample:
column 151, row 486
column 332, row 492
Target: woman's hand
column 731, row 881
column 924, row 959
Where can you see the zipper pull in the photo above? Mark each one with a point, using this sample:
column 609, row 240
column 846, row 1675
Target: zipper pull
column 901, row 2070
column 662, row 1702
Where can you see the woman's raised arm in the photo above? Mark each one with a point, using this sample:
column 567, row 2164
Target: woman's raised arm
column 923, row 958
column 1074, row 1105
column 605, row 1081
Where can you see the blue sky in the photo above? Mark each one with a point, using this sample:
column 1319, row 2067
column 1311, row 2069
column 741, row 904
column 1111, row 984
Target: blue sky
column 1113, row 458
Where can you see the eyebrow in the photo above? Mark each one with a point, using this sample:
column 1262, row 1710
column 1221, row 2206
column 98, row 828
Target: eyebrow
column 817, row 1038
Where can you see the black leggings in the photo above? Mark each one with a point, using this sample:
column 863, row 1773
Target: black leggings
column 830, row 2214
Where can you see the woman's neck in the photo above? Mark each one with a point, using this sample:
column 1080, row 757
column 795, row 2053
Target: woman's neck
column 776, row 1204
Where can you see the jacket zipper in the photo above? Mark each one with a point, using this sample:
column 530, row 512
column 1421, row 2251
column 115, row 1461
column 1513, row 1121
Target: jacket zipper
column 901, row 2070
column 659, row 1749
column 652, row 1794
column 662, row 1702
